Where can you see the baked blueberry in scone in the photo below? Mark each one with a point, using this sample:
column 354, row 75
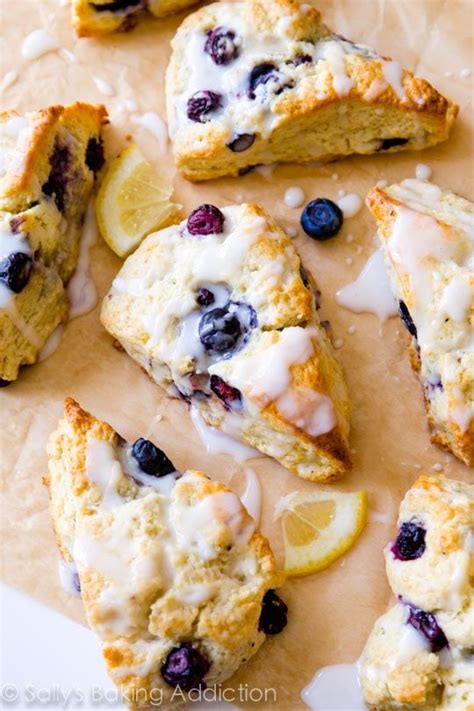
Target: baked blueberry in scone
column 49, row 160
column 99, row 17
column 428, row 239
column 419, row 654
column 177, row 583
column 219, row 311
column 261, row 81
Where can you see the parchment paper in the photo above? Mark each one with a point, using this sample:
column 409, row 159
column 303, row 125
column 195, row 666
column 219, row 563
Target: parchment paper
column 330, row 613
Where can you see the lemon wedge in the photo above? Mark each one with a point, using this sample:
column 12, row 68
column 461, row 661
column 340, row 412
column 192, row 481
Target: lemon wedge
column 319, row 527
column 133, row 200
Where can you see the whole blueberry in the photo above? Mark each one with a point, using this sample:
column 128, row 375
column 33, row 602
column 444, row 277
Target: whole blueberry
column 150, row 459
column 220, row 329
column 242, row 142
column 231, row 397
column 221, row 45
column 261, row 74
column 203, row 103
column 321, row 219
column 205, row 220
column 406, row 318
column 273, row 617
column 205, row 297
column 185, row 666
column 427, row 624
column 410, row 541
column 15, row 271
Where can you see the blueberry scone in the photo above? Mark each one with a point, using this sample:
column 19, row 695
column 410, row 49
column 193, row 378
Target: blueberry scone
column 428, row 240
column 219, row 310
column 259, row 81
column 419, row 654
column 177, row 583
column 103, row 16
column 49, row 160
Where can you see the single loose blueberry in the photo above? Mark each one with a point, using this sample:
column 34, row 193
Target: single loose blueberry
column 242, row 142
column 185, row 666
column 205, row 297
column 427, row 624
column 15, row 271
column 95, row 154
column 205, row 220
column 274, row 614
column 321, row 219
column 150, row 459
column 221, row 45
column 261, row 74
column 391, row 142
column 230, row 396
column 410, row 541
column 203, row 103
column 406, row 318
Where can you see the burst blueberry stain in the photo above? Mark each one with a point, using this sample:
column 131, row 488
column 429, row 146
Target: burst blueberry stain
column 95, row 154
column 56, row 185
column 242, row 142
column 391, row 143
column 427, row 624
column 406, row 318
column 15, row 271
column 119, row 6
column 221, row 45
column 321, row 219
column 202, row 103
column 230, row 396
column 151, row 459
column 301, row 59
column 274, row 614
column 410, row 541
column 205, row 220
column 185, row 666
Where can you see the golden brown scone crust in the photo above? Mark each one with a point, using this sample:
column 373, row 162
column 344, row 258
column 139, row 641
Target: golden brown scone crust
column 329, row 110
column 258, row 265
column 442, row 353
column 399, row 669
column 149, row 580
column 39, row 222
column 90, row 22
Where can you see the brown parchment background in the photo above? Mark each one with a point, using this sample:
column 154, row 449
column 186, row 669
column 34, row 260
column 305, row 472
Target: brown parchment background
column 330, row 613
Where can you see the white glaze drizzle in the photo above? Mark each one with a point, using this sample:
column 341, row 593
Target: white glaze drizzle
column 217, row 441
column 154, row 125
column 393, row 74
column 252, row 495
column 335, row 688
column 7, row 304
column 103, row 86
column 37, row 43
column 9, row 78
column 51, row 344
column 81, row 289
column 69, row 578
column 350, row 204
column 371, row 291
column 294, row 197
column 422, row 171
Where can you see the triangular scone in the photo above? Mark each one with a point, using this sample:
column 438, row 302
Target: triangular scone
column 176, row 581
column 100, row 17
column 262, row 81
column 418, row 654
column 219, row 310
column 428, row 240
column 49, row 162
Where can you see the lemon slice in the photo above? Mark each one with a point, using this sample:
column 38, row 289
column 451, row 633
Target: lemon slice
column 319, row 527
column 132, row 201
